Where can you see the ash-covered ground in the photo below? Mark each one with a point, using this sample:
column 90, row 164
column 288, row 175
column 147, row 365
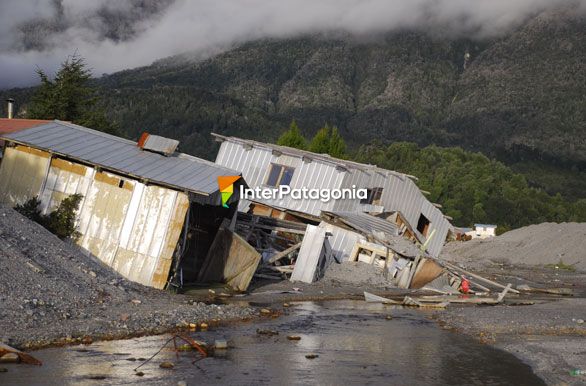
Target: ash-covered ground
column 51, row 292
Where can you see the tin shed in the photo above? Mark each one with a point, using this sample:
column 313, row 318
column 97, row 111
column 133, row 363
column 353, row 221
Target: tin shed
column 145, row 214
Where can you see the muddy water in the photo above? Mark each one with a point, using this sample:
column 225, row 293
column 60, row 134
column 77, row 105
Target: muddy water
column 355, row 344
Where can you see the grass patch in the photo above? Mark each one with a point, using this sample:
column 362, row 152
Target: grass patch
column 561, row 265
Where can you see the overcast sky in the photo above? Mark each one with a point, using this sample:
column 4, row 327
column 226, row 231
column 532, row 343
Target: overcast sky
column 118, row 34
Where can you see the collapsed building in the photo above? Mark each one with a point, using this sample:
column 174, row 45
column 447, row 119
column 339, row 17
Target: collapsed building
column 391, row 195
column 147, row 211
column 160, row 217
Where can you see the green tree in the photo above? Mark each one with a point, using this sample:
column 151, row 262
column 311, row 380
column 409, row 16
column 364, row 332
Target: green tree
column 328, row 141
column 473, row 188
column 337, row 144
column 293, row 137
column 69, row 97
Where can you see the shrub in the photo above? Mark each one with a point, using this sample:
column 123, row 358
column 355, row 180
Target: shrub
column 30, row 209
column 60, row 222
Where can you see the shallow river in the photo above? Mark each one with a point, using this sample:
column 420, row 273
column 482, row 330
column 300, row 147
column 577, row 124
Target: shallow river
column 354, row 341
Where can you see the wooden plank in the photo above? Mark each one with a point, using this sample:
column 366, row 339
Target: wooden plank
column 502, row 294
column 457, row 299
column 281, row 229
column 282, row 254
column 230, row 259
column 411, row 302
column 283, row 269
column 427, row 270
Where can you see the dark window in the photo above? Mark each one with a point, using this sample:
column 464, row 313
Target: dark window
column 373, row 196
column 287, row 176
column 377, row 193
column 274, row 175
column 423, row 225
column 280, row 175
column 368, row 198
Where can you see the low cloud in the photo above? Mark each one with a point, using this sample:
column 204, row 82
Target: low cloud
column 114, row 35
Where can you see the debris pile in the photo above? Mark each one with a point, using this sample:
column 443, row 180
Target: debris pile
column 355, row 248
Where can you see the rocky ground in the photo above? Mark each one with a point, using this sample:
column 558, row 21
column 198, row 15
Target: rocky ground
column 549, row 335
column 52, row 293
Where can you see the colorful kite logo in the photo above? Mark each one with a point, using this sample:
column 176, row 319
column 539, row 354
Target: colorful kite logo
column 226, row 184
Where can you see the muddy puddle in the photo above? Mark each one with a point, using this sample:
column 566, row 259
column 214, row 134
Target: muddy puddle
column 354, row 342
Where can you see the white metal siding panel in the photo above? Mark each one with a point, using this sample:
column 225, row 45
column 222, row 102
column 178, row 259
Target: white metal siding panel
column 63, row 182
column 342, row 240
column 102, row 217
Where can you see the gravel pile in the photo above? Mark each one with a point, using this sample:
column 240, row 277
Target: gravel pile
column 540, row 244
column 355, row 273
column 51, row 292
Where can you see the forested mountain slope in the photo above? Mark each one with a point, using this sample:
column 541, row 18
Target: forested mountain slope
column 520, row 98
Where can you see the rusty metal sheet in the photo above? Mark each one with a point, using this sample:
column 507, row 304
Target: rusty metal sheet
column 158, row 144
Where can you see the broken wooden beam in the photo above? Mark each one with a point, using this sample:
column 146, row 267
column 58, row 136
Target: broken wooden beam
column 502, row 294
column 278, row 256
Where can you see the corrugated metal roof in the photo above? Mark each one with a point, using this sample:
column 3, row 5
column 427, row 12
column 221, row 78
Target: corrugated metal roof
column 368, row 223
column 314, row 156
column 180, row 171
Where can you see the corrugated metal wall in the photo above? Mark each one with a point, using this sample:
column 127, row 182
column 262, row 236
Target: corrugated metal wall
column 254, row 164
column 150, row 233
column 131, row 227
column 64, row 179
column 342, row 240
column 399, row 193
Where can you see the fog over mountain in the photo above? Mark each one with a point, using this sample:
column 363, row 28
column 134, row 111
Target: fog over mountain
column 114, row 35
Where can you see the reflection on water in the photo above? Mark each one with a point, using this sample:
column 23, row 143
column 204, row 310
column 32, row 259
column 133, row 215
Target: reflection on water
column 356, row 344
